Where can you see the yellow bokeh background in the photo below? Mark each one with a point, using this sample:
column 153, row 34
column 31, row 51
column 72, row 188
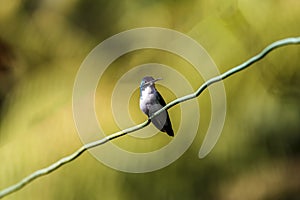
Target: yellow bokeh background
column 257, row 155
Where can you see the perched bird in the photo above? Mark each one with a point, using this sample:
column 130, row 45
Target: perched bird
column 151, row 101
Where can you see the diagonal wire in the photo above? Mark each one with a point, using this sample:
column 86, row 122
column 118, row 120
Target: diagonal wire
column 76, row 154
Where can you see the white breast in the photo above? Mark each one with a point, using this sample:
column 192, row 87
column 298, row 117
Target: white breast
column 146, row 99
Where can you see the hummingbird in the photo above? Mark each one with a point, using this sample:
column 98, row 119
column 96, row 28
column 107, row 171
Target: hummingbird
column 151, row 101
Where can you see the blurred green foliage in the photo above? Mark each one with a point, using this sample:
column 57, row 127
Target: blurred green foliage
column 257, row 155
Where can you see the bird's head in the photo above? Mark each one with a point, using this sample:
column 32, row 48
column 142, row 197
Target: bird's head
column 148, row 81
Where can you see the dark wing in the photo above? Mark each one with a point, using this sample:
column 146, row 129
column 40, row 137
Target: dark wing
column 162, row 121
column 161, row 100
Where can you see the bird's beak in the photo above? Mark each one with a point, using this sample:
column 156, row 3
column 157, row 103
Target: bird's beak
column 158, row 79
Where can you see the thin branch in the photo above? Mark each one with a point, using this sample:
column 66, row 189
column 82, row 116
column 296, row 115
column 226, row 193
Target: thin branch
column 82, row 149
